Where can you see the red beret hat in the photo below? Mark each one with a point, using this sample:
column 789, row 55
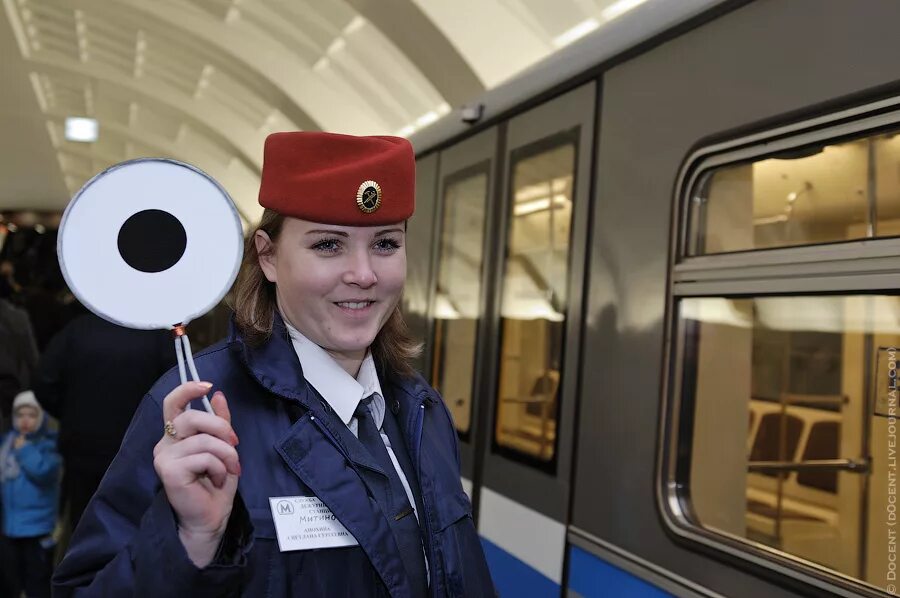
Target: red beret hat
column 339, row 179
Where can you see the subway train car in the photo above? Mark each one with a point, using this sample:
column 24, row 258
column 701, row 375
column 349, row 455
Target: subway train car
column 658, row 277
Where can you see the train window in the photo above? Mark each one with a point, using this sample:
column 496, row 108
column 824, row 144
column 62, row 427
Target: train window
column 821, row 193
column 809, row 476
column 533, row 299
column 457, row 300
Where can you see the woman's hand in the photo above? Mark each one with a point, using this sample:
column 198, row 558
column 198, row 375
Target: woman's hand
column 199, row 468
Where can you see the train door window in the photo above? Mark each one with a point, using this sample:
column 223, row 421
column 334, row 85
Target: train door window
column 457, row 299
column 782, row 438
column 533, row 297
column 823, row 193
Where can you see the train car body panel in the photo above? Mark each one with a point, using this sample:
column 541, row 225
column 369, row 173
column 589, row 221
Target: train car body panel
column 563, row 405
column 764, row 62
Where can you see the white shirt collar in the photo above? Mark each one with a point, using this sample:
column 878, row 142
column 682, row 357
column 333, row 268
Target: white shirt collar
column 339, row 389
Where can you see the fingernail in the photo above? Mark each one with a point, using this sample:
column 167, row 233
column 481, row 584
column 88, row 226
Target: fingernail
column 234, row 439
column 205, row 385
column 239, row 468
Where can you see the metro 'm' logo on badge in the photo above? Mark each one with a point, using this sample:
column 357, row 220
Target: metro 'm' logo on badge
column 306, row 523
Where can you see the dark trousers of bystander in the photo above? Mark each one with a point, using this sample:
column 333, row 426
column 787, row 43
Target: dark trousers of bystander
column 27, row 565
column 78, row 486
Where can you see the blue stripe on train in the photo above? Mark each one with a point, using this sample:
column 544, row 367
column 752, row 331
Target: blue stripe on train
column 514, row 578
column 591, row 577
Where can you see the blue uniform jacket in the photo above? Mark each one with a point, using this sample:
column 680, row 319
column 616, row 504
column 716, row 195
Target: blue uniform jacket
column 30, row 499
column 127, row 543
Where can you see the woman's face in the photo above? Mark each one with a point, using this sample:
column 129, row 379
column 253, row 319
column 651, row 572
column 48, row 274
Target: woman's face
column 336, row 284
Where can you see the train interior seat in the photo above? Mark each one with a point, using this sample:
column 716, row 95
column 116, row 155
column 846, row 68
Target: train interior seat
column 534, row 430
column 799, row 511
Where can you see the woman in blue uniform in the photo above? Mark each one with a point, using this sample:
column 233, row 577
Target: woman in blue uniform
column 330, row 468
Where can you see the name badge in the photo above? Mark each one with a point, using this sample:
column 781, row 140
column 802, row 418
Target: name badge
column 305, row 523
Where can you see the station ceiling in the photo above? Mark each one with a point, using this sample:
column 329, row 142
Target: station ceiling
column 204, row 81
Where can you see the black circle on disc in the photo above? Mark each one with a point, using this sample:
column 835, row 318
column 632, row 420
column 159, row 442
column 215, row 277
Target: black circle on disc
column 152, row 241
column 370, row 197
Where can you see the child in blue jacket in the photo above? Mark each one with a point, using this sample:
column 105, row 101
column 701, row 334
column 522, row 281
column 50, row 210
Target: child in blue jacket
column 29, row 486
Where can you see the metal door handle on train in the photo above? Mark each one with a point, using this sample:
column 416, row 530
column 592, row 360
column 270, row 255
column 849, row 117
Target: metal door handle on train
column 854, row 465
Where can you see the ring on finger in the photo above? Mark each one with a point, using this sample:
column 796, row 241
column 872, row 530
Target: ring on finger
column 170, row 429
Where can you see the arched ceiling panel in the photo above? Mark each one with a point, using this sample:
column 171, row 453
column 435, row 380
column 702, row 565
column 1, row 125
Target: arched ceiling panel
column 501, row 38
column 205, row 81
column 238, row 137
column 494, row 53
column 422, row 42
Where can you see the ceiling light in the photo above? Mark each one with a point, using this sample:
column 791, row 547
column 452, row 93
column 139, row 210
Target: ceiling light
column 426, row 119
column 534, row 205
column 536, row 190
column 336, row 46
column 443, row 308
column 81, row 129
column 764, row 220
column 576, row 32
column 354, row 25
column 523, row 208
column 619, row 8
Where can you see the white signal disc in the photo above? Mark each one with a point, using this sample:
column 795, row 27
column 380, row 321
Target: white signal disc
column 150, row 243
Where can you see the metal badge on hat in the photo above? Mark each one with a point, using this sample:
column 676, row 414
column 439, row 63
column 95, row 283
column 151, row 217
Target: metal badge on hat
column 151, row 243
column 368, row 197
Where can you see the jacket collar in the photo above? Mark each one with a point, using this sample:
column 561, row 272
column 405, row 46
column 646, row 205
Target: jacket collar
column 342, row 391
column 274, row 363
column 275, row 366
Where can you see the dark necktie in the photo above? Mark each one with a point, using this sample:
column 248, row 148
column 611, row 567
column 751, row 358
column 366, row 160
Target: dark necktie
column 399, row 512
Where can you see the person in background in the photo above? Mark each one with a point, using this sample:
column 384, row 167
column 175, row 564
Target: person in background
column 91, row 378
column 13, row 290
column 18, row 350
column 29, row 486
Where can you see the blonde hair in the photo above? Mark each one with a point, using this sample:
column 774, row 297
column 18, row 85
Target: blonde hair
column 254, row 304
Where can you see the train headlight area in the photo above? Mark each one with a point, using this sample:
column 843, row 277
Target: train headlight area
column 655, row 262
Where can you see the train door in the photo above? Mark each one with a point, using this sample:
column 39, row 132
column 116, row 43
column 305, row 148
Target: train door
column 419, row 235
column 530, row 340
column 464, row 183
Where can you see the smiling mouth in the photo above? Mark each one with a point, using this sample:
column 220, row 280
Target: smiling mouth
column 355, row 305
